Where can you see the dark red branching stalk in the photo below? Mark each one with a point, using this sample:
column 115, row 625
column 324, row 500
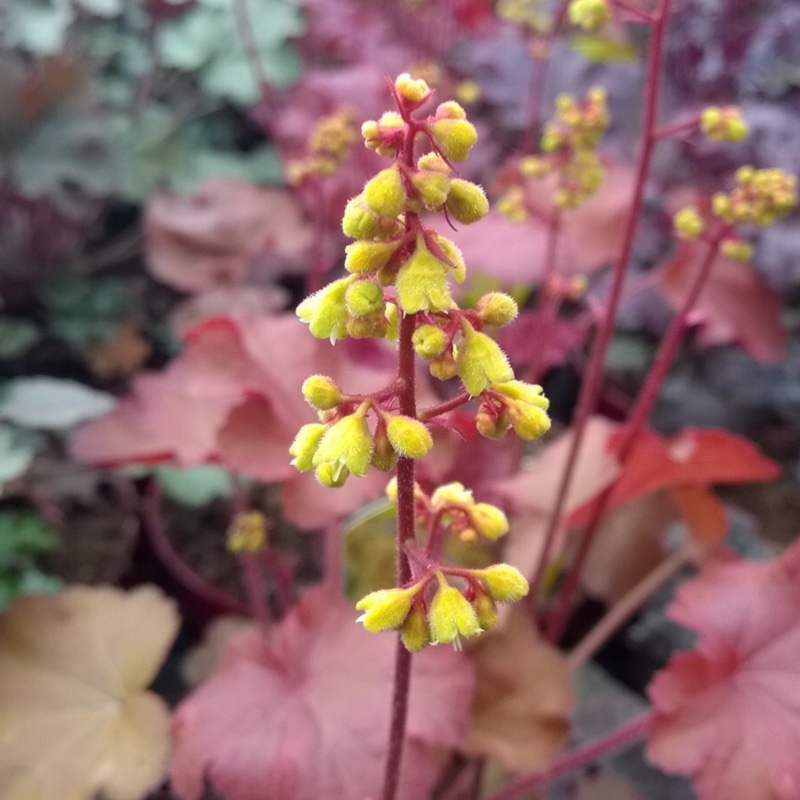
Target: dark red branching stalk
column 581, row 757
column 406, row 533
column 641, row 411
column 590, row 385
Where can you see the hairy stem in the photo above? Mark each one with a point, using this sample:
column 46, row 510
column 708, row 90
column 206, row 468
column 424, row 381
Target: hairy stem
column 448, row 405
column 406, row 532
column 641, row 411
column 590, row 385
column 581, row 757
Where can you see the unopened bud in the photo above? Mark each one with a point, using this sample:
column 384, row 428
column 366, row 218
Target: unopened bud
column 321, row 392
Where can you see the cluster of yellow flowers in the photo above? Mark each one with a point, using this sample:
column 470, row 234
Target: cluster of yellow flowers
column 452, row 612
column 399, row 272
column 569, row 152
column 247, row 533
column 589, row 14
column 531, row 15
column 329, row 146
column 760, row 197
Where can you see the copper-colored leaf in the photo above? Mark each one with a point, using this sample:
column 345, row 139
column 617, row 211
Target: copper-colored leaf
column 520, row 715
column 75, row 719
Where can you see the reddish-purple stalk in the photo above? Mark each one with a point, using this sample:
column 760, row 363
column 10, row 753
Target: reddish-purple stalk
column 580, row 757
column 253, row 580
column 627, row 606
column 406, row 533
column 590, row 385
column 244, row 30
column 641, row 411
column 155, row 530
column 549, row 300
column 442, row 408
column 538, row 83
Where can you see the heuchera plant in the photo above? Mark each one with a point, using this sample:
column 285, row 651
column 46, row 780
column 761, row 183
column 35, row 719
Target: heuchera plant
column 398, row 288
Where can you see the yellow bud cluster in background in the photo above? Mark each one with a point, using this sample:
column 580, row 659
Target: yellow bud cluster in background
column 329, row 146
column 760, row 197
column 723, row 124
column 569, row 152
column 247, row 533
column 531, row 15
column 589, row 14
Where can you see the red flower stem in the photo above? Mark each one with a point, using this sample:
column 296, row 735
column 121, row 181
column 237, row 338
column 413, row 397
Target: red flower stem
column 244, row 31
column 677, row 128
column 549, row 300
column 580, row 757
column 538, row 82
column 406, row 533
column 637, row 13
column 449, row 405
column 627, row 606
column 155, row 529
column 641, row 411
column 253, row 580
column 316, row 275
column 590, row 385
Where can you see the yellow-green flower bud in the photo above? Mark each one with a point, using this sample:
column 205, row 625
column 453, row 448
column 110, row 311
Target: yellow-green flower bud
column 457, row 266
column 485, row 610
column 391, row 491
column 415, row 632
column 451, row 131
column 392, row 322
column 384, row 456
column 497, row 308
column 490, row 424
column 413, row 91
column 444, row 366
column 373, row 326
column 385, row 609
column 466, row 201
column 364, row 298
column 247, row 533
column 321, row 392
column 529, row 422
column 534, row 166
column 325, row 311
column 737, row 249
column 433, row 162
column 384, row 193
column 409, row 437
column 359, row 221
column 530, row 393
column 488, row 520
column 421, row 283
column 452, row 494
column 502, row 582
column 432, row 188
column 723, row 124
column 589, row 14
column 305, row 445
column 333, row 476
column 429, row 341
column 347, row 443
column 688, row 222
column 368, row 257
column 451, row 615
column 481, row 362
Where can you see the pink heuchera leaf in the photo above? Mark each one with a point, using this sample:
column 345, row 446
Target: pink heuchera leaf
column 735, row 305
column 591, row 235
column 520, row 340
column 233, row 396
column 75, row 719
column 728, row 711
column 304, row 713
column 214, row 236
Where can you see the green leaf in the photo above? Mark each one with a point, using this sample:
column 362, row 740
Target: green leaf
column 51, row 403
column 16, row 454
column 24, row 535
column 628, row 353
column 27, row 581
column 38, row 26
column 602, row 50
column 194, row 487
column 17, row 336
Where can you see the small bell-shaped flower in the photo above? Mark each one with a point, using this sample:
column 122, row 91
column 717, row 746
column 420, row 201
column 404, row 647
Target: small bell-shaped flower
column 347, row 444
column 481, row 362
